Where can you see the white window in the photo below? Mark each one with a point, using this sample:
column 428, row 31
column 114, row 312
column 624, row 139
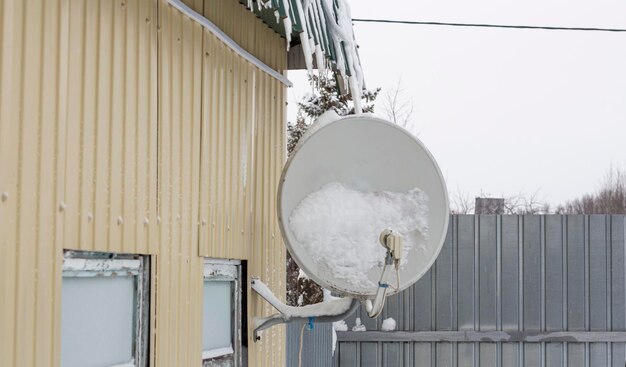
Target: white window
column 104, row 310
column 221, row 314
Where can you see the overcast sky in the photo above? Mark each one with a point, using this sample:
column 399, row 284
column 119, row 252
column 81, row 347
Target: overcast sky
column 504, row 111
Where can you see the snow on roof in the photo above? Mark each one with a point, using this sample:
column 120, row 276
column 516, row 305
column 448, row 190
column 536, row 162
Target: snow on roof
column 324, row 29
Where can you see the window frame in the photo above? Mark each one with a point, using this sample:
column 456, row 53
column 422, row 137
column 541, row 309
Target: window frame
column 230, row 271
column 86, row 264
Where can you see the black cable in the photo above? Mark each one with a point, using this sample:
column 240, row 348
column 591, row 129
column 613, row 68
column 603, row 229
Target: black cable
column 490, row 25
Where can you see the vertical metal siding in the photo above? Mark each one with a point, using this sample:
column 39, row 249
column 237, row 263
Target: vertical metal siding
column 316, row 345
column 242, row 154
column 515, row 274
column 258, row 39
column 110, row 143
column 122, row 125
column 30, row 185
column 179, row 269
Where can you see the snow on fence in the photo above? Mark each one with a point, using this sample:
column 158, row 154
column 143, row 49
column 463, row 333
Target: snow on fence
column 506, row 290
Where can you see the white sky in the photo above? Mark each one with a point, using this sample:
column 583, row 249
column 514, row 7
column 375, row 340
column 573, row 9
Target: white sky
column 504, row 111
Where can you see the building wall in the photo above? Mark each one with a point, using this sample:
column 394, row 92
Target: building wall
column 126, row 127
column 242, row 160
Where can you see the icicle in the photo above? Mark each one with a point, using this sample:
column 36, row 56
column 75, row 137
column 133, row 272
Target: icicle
column 339, row 31
column 340, row 63
column 356, row 95
column 287, row 23
column 288, row 30
column 353, row 53
column 342, row 32
column 319, row 58
column 318, row 23
column 302, row 19
column 304, row 41
column 304, row 38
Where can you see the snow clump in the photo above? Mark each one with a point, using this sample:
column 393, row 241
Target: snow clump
column 388, row 324
column 339, row 227
column 340, row 325
column 358, row 326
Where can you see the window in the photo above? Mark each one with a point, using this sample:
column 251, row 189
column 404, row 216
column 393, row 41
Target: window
column 223, row 342
column 104, row 310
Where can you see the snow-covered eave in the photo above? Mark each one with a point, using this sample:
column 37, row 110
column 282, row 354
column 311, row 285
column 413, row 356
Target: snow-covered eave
column 324, row 30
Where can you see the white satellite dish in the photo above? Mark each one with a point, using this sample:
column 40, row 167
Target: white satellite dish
column 363, row 209
column 368, row 155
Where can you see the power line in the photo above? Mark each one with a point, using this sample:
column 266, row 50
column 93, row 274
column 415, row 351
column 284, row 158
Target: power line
column 549, row 28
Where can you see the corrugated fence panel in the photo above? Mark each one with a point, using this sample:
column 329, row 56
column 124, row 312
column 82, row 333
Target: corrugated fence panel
column 316, row 344
column 513, row 278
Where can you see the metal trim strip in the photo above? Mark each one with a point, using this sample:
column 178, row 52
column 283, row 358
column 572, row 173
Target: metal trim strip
column 207, row 24
column 484, row 336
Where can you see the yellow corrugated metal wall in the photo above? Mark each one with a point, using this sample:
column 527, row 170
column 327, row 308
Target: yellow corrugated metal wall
column 179, row 269
column 33, row 61
column 126, row 127
column 243, row 153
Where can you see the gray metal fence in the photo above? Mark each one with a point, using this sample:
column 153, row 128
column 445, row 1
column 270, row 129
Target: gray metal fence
column 316, row 345
column 506, row 291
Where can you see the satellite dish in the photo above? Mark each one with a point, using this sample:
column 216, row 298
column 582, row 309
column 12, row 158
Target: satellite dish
column 348, row 180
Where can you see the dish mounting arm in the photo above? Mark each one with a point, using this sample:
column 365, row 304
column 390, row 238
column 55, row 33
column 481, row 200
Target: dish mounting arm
column 331, row 311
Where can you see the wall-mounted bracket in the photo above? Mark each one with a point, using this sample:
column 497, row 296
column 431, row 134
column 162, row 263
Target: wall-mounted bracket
column 331, row 311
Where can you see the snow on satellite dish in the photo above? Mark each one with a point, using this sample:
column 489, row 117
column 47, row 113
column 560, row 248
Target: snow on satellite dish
column 348, row 180
column 335, row 222
column 363, row 209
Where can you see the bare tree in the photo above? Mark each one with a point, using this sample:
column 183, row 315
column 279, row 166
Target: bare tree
column 461, row 202
column 610, row 198
column 398, row 108
column 520, row 203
